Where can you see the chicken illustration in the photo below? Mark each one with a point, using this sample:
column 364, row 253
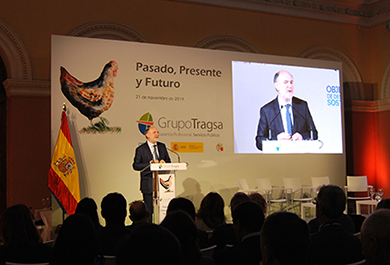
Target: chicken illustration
column 166, row 183
column 92, row 98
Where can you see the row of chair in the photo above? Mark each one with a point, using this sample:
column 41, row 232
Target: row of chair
column 294, row 192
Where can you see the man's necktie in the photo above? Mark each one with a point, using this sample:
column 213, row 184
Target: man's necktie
column 155, row 152
column 288, row 119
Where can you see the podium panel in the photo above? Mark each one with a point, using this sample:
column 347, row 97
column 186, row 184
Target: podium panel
column 289, row 147
column 164, row 188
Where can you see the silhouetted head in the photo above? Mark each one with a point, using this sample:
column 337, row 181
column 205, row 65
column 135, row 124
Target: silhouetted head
column 375, row 237
column 285, row 238
column 138, row 212
column 182, row 204
column 76, row 242
column 88, row 207
column 18, row 225
column 331, row 202
column 259, row 199
column 237, row 198
column 114, row 208
column 149, row 244
column 211, row 210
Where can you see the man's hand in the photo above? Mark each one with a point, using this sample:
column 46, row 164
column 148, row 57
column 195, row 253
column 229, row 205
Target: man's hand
column 297, row 137
column 162, row 161
column 154, row 161
column 283, row 136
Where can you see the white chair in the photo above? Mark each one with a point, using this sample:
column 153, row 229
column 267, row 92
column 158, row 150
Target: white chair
column 358, row 185
column 243, row 186
column 272, row 194
column 298, row 193
column 317, row 182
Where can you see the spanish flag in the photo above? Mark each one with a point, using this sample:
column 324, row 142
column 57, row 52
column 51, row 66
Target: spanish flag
column 63, row 179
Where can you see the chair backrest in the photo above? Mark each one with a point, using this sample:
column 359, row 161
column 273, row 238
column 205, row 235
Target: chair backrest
column 208, row 251
column 319, row 181
column 362, row 262
column 357, row 183
column 13, row 263
column 109, row 260
column 264, row 184
column 243, row 184
column 292, row 183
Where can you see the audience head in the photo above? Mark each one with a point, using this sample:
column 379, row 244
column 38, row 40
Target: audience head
column 149, row 244
column 114, row 208
column 211, row 210
column 138, row 212
column 259, row 199
column 375, row 237
column 248, row 217
column 88, row 207
column 184, row 228
column 76, row 242
column 182, row 204
column 237, row 198
column 285, row 239
column 331, row 202
column 383, row 204
column 18, row 226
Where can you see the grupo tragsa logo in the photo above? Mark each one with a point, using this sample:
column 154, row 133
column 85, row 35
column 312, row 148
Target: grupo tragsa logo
column 144, row 122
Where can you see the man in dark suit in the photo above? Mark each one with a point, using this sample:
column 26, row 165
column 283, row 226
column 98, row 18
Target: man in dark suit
column 149, row 152
column 286, row 117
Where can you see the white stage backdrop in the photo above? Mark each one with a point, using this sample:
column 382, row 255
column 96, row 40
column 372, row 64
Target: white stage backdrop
column 187, row 93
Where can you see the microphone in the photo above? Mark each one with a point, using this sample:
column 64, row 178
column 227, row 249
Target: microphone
column 178, row 156
column 307, row 122
column 269, row 127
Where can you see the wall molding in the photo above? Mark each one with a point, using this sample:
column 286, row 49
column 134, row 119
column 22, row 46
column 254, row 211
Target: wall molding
column 27, row 88
column 14, row 54
column 364, row 12
column 368, row 106
column 227, row 43
column 108, row 30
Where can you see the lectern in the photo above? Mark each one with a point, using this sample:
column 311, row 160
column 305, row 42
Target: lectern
column 164, row 188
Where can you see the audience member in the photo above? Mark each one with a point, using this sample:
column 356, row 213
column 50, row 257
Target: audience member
column 224, row 234
column 88, row 207
column 187, row 206
column 248, row 218
column 211, row 212
column 259, row 199
column 22, row 242
column 76, row 243
column 114, row 211
column 183, row 204
column 150, row 244
column 383, row 204
column 375, row 237
column 184, row 228
column 284, row 240
column 139, row 214
column 332, row 244
column 345, row 220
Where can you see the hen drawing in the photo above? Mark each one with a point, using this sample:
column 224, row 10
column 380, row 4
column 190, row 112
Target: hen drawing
column 166, row 183
column 92, row 98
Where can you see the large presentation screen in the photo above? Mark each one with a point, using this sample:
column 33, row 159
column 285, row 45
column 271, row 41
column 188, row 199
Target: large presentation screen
column 206, row 106
column 321, row 117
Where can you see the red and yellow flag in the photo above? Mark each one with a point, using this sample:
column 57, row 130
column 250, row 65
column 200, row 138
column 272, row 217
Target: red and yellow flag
column 63, row 179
